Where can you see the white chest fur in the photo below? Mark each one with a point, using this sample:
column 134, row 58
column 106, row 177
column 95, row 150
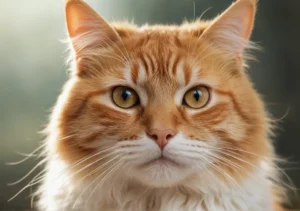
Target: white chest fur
column 253, row 195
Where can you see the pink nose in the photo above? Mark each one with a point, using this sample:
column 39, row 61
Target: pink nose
column 161, row 137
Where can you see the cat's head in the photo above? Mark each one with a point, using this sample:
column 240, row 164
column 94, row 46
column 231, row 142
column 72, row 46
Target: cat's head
column 160, row 104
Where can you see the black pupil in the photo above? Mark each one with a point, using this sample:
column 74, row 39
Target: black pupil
column 125, row 94
column 197, row 94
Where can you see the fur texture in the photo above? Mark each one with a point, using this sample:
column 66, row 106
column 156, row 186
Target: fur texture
column 100, row 156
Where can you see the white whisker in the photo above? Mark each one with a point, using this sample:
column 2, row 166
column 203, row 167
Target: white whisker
column 79, row 196
column 29, row 173
column 110, row 172
column 27, row 156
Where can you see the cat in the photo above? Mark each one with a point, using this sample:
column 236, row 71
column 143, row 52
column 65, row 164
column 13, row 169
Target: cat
column 160, row 118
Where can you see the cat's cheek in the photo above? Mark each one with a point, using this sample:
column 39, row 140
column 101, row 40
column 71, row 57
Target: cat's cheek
column 193, row 154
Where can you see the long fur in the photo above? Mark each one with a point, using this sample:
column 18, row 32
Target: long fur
column 100, row 156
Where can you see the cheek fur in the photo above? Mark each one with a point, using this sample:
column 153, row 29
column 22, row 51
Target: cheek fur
column 234, row 137
column 97, row 122
column 193, row 154
column 86, row 127
column 139, row 151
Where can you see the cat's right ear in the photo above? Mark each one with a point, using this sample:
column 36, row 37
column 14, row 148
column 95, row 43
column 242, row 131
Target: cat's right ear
column 230, row 31
column 86, row 28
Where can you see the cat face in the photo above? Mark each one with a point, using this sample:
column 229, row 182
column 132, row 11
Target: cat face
column 160, row 105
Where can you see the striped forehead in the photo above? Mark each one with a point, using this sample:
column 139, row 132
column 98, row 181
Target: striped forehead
column 146, row 68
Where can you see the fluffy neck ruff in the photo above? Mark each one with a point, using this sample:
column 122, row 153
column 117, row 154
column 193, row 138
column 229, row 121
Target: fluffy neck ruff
column 117, row 194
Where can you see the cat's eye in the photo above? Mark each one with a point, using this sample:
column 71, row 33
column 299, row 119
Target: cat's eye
column 197, row 97
column 125, row 97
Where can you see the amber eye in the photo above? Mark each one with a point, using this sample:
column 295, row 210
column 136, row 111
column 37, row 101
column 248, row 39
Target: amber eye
column 197, row 97
column 125, row 97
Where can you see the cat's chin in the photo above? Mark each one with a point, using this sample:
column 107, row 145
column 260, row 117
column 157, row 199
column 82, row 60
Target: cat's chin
column 160, row 172
column 162, row 162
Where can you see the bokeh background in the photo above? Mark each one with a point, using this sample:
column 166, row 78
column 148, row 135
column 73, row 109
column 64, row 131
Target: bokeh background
column 33, row 70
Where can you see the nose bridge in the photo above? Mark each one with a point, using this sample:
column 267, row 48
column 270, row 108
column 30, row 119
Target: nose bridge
column 160, row 112
column 160, row 117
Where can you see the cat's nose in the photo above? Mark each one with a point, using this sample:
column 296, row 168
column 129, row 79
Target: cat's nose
column 161, row 137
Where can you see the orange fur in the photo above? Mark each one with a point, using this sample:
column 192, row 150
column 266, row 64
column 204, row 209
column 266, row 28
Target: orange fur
column 237, row 117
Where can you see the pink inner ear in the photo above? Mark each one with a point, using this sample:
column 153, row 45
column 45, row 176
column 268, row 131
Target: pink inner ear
column 86, row 28
column 89, row 36
column 232, row 29
column 250, row 22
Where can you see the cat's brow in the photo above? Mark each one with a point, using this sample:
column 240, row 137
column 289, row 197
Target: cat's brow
column 173, row 63
column 180, row 76
column 136, row 73
column 185, row 81
column 142, row 74
column 180, row 69
column 136, row 76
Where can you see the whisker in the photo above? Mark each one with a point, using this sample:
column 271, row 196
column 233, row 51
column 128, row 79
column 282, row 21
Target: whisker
column 252, row 153
column 27, row 156
column 80, row 161
column 221, row 171
column 90, row 164
column 29, row 173
column 80, row 195
column 116, row 166
column 30, row 184
column 39, row 177
column 291, row 185
column 234, row 166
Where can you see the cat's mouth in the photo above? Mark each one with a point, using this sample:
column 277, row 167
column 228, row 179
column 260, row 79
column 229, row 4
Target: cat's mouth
column 162, row 161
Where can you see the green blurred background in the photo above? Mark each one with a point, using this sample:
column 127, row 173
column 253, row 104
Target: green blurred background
column 32, row 70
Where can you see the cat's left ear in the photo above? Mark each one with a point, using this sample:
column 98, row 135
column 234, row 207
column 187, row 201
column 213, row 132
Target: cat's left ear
column 86, row 28
column 230, row 32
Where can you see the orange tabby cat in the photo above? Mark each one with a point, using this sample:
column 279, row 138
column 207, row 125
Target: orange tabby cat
column 160, row 118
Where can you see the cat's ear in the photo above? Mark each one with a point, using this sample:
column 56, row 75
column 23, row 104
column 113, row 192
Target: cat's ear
column 230, row 32
column 86, row 28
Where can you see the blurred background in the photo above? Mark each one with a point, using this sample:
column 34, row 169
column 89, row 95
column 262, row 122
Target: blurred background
column 32, row 71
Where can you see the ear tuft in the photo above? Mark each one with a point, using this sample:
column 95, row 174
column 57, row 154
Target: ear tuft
column 231, row 30
column 86, row 28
